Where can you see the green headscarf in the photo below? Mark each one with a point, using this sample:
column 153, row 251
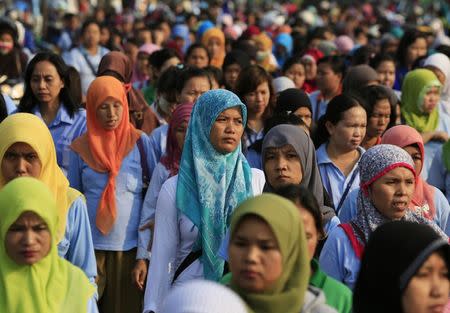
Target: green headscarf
column 415, row 85
column 50, row 285
column 283, row 217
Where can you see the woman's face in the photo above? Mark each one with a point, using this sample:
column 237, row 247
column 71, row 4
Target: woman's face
column 312, row 233
column 214, row 46
column 6, row 43
column 20, row 160
column 297, row 74
column 231, row 75
column 379, row 119
column 109, row 113
column 429, row 288
column 310, row 69
column 349, row 132
column 282, row 166
column 46, row 84
column 198, row 58
column 415, row 154
column 327, row 79
column 28, row 239
column 258, row 100
column 431, row 99
column 416, row 50
column 386, row 73
column 194, row 88
column 254, row 256
column 392, row 192
column 142, row 63
column 306, row 115
column 180, row 134
column 91, row 36
column 226, row 132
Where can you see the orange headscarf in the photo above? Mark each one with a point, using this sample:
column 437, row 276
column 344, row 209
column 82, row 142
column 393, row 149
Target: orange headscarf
column 216, row 59
column 403, row 136
column 103, row 150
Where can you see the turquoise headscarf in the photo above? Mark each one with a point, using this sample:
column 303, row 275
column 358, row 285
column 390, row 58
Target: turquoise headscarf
column 211, row 184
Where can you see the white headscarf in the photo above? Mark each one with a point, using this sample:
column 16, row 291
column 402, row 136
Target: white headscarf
column 202, row 296
column 442, row 62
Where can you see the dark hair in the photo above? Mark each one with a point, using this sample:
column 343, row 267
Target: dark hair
column 335, row 111
column 445, row 49
column 167, row 83
column 3, row 109
column 408, row 39
column 190, row 72
column 363, row 55
column 87, row 23
column 75, row 85
column 194, row 46
column 380, row 58
column 248, row 81
column 306, row 199
column 336, row 62
column 370, row 95
column 158, row 58
column 296, row 59
column 214, row 73
column 28, row 100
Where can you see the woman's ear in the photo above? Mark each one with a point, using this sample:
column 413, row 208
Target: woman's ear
column 330, row 127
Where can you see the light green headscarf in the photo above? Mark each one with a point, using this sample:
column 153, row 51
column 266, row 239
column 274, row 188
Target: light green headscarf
column 415, row 85
column 282, row 216
column 50, row 285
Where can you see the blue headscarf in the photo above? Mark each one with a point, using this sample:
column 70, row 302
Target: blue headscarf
column 203, row 27
column 182, row 31
column 211, row 184
column 286, row 41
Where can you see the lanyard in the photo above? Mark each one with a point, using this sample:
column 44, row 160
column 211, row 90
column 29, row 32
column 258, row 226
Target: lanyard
column 347, row 189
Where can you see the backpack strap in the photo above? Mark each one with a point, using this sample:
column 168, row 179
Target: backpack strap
column 188, row 260
column 144, row 166
column 357, row 246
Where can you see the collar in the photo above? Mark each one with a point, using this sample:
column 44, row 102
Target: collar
column 323, row 158
column 61, row 117
column 318, row 278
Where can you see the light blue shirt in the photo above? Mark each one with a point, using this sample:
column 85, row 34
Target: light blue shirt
column 124, row 234
column 64, row 130
column 338, row 259
column 76, row 246
column 76, row 59
column 158, row 141
column 350, row 209
column 334, row 181
column 438, row 175
column 10, row 105
column 319, row 107
column 253, row 136
column 159, row 176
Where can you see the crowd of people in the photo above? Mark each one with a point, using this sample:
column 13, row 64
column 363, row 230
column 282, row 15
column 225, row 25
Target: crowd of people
column 225, row 157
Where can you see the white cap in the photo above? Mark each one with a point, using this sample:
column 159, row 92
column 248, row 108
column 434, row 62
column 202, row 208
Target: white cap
column 282, row 83
column 202, row 296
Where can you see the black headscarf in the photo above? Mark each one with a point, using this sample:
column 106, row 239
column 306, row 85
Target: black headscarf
column 394, row 253
column 290, row 100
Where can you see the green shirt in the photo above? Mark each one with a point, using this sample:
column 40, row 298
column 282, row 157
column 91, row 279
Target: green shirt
column 338, row 295
column 149, row 93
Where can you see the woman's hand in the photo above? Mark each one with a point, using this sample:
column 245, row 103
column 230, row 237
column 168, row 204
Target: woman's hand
column 139, row 273
column 440, row 136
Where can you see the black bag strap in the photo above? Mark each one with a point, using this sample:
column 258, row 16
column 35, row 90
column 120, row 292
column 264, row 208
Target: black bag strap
column 347, row 189
column 89, row 63
column 191, row 257
column 144, row 166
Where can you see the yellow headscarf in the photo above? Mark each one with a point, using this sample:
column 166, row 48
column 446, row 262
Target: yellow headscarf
column 28, row 128
column 282, row 216
column 50, row 285
column 216, row 60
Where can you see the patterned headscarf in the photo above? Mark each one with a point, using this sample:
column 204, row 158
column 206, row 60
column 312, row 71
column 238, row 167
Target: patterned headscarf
column 375, row 163
column 211, row 184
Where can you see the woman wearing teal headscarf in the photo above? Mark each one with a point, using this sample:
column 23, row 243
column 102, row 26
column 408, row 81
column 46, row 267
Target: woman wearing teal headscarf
column 419, row 106
column 33, row 278
column 194, row 207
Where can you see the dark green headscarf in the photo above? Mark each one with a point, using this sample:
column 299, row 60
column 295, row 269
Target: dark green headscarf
column 282, row 216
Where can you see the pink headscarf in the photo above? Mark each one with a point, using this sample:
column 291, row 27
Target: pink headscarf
column 171, row 160
column 147, row 48
column 403, row 136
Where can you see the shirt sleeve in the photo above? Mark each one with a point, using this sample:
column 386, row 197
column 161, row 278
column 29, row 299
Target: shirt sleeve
column 159, row 176
column 74, row 171
column 92, row 305
column 338, row 259
column 81, row 248
column 442, row 211
column 164, row 248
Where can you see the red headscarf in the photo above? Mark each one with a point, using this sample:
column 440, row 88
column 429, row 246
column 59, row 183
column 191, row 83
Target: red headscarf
column 403, row 136
column 103, row 150
column 171, row 160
